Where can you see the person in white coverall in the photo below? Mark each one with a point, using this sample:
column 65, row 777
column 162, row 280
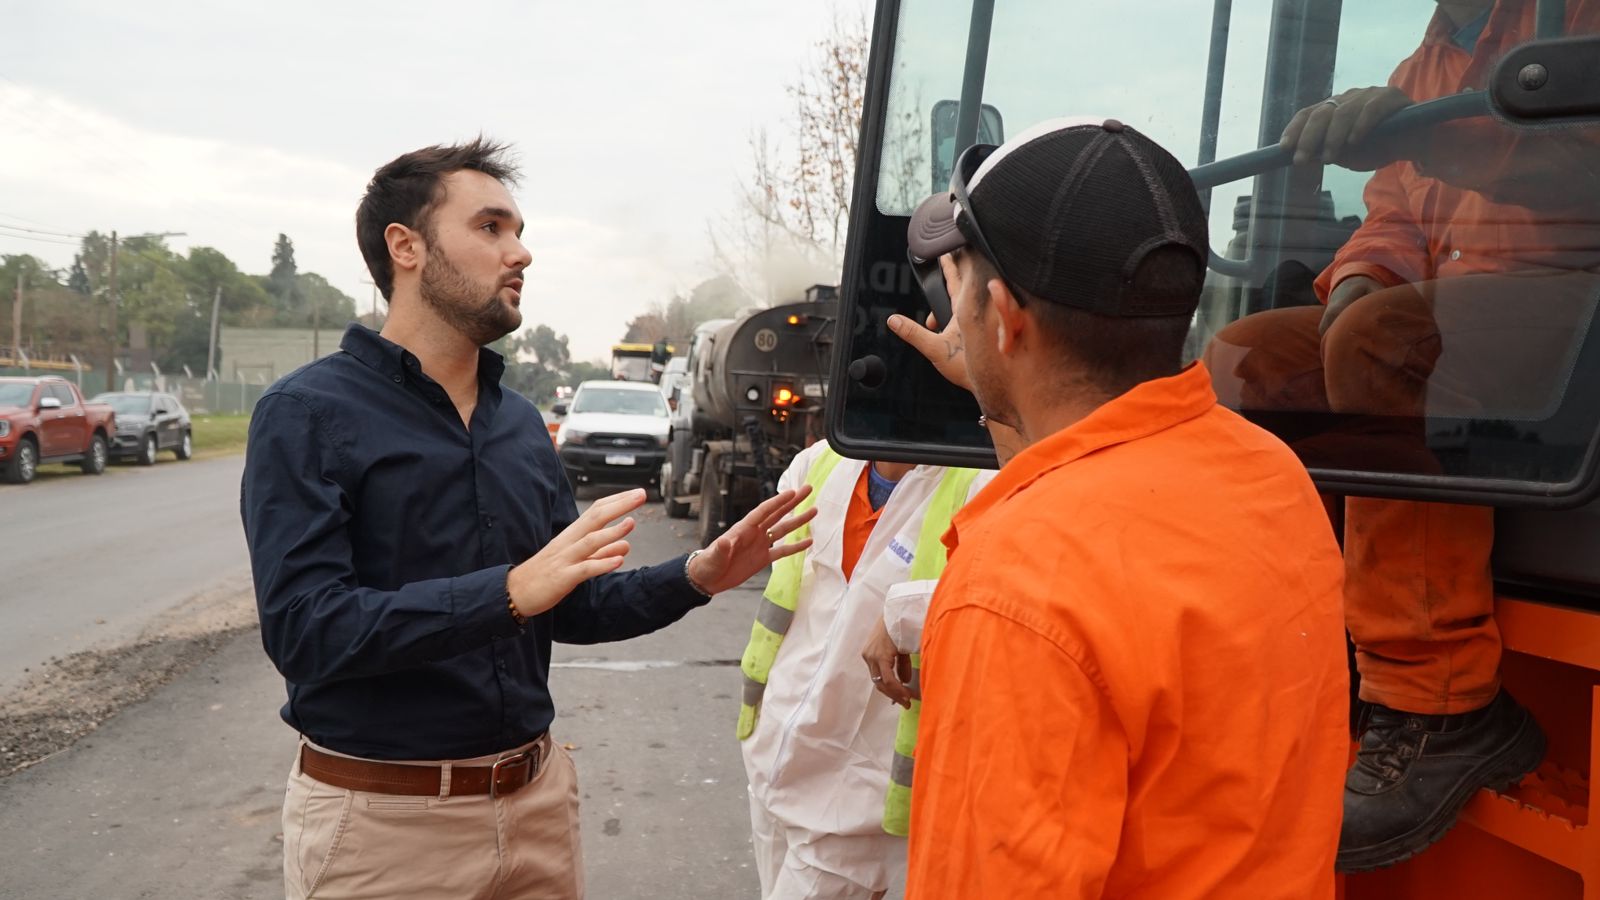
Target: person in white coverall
column 818, row 740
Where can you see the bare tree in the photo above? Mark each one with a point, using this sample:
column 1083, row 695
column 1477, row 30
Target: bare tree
column 788, row 227
column 828, row 99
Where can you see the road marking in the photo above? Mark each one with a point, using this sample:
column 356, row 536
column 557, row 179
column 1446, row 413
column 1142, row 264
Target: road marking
column 638, row 665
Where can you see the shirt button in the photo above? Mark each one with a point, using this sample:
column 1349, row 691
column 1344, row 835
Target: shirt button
column 1455, row 254
column 399, row 378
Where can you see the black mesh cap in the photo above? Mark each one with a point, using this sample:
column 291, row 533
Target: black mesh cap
column 1071, row 208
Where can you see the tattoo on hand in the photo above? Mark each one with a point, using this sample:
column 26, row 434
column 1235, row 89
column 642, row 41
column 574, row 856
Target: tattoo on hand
column 955, row 348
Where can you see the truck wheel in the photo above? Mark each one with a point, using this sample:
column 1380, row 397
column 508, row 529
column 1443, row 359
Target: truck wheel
column 676, row 509
column 185, row 447
column 147, row 450
column 711, row 502
column 24, row 465
column 95, row 462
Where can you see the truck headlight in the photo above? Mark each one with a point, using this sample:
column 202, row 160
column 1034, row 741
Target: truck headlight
column 570, row 436
column 5, row 428
column 661, row 439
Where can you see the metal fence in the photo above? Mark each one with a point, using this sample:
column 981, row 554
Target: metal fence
column 200, row 395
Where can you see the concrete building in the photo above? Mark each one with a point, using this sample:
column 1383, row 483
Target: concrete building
column 263, row 355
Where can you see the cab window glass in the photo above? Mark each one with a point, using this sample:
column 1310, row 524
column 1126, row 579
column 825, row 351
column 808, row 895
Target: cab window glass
column 1426, row 312
column 1049, row 59
column 1420, row 308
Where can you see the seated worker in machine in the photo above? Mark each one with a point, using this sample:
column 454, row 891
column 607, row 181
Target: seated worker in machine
column 1471, row 278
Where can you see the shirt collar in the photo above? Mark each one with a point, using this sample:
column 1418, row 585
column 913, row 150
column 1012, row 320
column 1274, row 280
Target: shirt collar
column 1149, row 408
column 1505, row 15
column 390, row 359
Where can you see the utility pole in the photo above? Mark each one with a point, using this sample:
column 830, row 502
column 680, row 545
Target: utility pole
column 111, row 334
column 16, row 317
column 211, row 354
column 316, row 329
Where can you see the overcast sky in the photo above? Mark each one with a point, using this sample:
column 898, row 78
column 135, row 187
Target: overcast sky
column 233, row 122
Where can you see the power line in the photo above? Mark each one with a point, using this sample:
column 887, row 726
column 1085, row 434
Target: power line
column 37, row 231
column 41, row 240
column 27, row 220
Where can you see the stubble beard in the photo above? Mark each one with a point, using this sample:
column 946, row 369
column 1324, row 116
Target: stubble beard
column 994, row 401
column 478, row 314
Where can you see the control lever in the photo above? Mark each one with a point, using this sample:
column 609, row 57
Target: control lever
column 869, row 371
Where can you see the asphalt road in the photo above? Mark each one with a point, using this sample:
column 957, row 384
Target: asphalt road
column 86, row 560
column 179, row 796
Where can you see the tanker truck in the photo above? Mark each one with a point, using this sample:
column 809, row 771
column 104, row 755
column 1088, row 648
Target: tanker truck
column 755, row 399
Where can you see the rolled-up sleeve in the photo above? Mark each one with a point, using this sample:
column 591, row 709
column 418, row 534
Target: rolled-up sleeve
column 905, row 606
column 317, row 623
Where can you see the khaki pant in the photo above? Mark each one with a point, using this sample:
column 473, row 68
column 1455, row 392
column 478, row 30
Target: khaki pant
column 341, row 844
column 1419, row 596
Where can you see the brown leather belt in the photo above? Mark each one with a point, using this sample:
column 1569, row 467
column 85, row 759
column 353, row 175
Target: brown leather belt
column 507, row 776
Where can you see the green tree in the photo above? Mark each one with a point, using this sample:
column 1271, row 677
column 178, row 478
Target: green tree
column 281, row 280
column 78, row 280
column 587, row 371
column 206, row 272
column 283, row 285
column 549, row 349
column 95, row 255
column 153, row 291
column 322, row 303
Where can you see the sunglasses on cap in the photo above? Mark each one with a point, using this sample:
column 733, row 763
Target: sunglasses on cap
column 928, row 272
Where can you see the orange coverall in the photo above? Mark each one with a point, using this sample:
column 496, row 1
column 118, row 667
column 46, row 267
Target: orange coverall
column 1134, row 669
column 1482, row 250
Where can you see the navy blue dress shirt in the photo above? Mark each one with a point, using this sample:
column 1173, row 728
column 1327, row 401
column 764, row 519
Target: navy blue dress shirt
column 381, row 531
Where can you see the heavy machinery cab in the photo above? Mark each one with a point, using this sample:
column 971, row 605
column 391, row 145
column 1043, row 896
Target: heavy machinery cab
column 1216, row 84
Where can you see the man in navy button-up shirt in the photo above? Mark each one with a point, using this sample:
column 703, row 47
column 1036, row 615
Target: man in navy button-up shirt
column 416, row 548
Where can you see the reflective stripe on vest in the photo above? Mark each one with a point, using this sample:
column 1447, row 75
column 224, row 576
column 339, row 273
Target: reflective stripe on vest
column 928, row 565
column 776, row 613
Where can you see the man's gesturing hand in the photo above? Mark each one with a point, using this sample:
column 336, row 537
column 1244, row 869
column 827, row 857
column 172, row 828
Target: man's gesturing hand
column 752, row 544
column 586, row 548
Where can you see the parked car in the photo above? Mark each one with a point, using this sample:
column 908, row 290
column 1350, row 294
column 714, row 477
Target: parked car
column 148, row 423
column 614, row 432
column 46, row 420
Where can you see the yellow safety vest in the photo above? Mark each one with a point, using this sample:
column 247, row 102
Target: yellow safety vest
column 782, row 595
column 778, row 603
column 928, row 565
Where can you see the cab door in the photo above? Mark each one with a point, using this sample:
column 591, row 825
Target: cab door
column 56, row 428
column 169, row 429
column 1501, row 240
column 1217, row 84
column 73, row 421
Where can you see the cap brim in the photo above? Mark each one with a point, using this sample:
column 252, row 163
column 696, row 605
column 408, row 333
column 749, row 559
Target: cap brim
column 933, row 232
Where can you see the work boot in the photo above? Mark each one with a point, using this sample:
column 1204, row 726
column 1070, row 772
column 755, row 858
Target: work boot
column 1414, row 773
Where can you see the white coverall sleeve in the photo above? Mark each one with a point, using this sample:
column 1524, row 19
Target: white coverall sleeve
column 905, row 606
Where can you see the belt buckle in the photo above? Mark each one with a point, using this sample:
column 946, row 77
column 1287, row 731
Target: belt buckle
column 529, row 757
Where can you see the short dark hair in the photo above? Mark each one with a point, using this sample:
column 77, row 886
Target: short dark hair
column 1117, row 353
column 406, row 190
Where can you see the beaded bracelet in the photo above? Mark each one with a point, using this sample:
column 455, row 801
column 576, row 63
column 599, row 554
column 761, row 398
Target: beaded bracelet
column 687, row 560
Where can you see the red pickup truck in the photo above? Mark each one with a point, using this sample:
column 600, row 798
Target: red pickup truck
column 46, row 420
